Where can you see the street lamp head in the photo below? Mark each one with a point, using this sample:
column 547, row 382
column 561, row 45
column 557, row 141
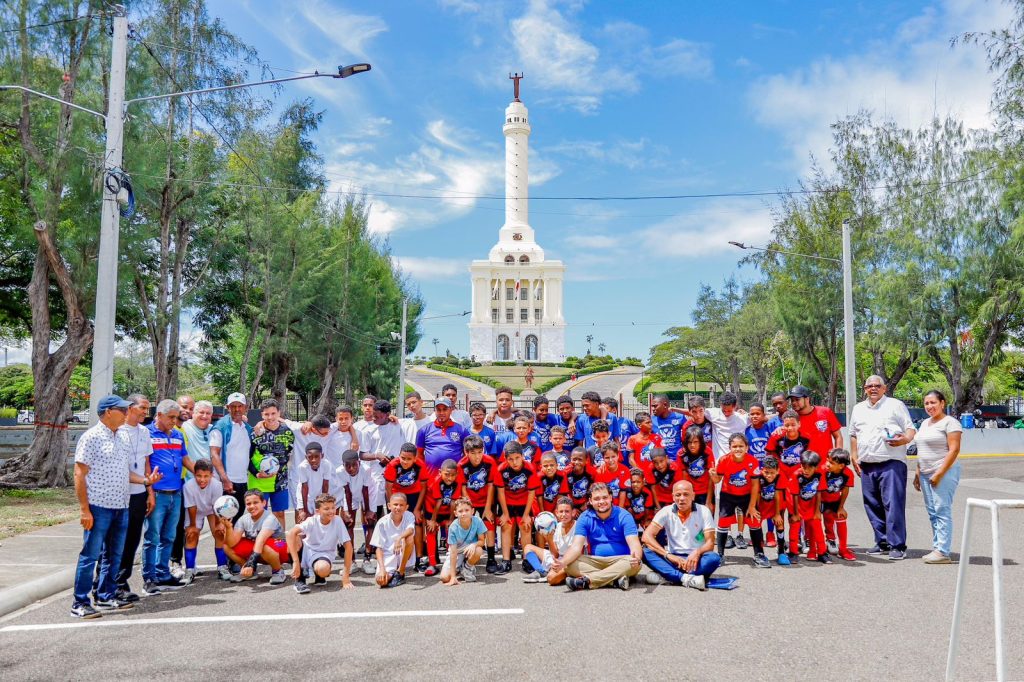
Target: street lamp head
column 740, row 245
column 346, row 71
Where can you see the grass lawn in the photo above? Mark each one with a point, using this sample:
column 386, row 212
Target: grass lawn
column 22, row 511
column 513, row 376
column 662, row 386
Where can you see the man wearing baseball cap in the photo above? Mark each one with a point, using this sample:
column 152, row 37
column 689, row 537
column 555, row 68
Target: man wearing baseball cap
column 441, row 439
column 230, row 441
column 818, row 424
column 103, row 459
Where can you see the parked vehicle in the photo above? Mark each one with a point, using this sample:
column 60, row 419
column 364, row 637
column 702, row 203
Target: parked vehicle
column 27, row 417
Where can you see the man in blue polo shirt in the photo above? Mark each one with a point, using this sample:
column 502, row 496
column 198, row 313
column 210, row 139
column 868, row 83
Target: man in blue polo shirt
column 668, row 425
column 170, row 454
column 591, row 405
column 441, row 439
column 605, row 549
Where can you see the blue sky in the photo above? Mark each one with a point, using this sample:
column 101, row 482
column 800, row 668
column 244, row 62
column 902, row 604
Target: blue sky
column 625, row 99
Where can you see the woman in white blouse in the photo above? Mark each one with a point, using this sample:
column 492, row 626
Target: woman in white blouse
column 938, row 472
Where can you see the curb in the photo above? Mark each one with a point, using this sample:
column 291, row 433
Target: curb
column 25, row 594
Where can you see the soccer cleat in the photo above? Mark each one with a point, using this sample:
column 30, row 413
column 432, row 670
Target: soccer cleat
column 127, row 595
column 847, row 555
column 784, row 560
column 170, row 584
column 223, row 573
column 150, row 588
column 301, row 587
column 492, row 566
column 936, row 557
column 504, row 566
column 114, row 604
column 770, row 540
column 623, row 583
column 825, row 558
column 397, row 579
column 741, row 542
column 833, row 547
column 793, row 557
column 761, row 561
column 897, row 554
column 86, row 611
column 695, row 582
column 430, row 571
column 317, row 580
column 577, row 584
column 468, row 572
column 527, row 567
column 277, row 577
column 422, row 563
column 653, row 578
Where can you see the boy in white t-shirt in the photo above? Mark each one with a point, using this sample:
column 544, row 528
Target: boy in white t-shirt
column 313, row 478
column 350, row 486
column 688, row 559
column 393, row 542
column 558, row 543
column 200, row 493
column 313, row 542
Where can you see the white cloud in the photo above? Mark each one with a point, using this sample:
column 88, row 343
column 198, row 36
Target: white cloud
column 707, row 230
column 428, row 268
column 909, row 77
column 351, row 32
column 461, row 6
column 631, row 154
column 592, row 241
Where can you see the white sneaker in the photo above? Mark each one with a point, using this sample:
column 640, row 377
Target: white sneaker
column 189, row 576
column 369, row 567
column 176, row 570
column 936, row 557
column 223, row 573
column 277, row 577
column 694, row 581
column 468, row 572
column 652, row 578
column 833, row 547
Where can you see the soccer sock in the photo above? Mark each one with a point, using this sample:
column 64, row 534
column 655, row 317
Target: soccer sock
column 841, row 532
column 534, row 560
column 490, row 553
column 794, row 537
column 432, row 547
column 222, row 558
column 817, row 538
column 757, row 540
column 830, row 530
column 190, row 557
column 771, row 526
column 722, row 535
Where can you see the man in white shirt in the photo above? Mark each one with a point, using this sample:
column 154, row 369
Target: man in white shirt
column 880, row 428
column 141, row 499
column 231, row 461
column 382, row 443
column 689, row 559
column 419, row 419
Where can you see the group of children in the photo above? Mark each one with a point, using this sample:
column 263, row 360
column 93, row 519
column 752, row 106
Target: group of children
column 485, row 504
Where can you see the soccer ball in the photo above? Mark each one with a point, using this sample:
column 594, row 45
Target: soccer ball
column 545, row 522
column 269, row 465
column 226, row 507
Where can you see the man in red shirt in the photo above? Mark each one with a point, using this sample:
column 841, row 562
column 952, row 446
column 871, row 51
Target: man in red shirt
column 818, row 424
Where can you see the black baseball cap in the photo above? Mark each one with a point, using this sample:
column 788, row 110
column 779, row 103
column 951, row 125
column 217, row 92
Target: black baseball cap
column 799, row 391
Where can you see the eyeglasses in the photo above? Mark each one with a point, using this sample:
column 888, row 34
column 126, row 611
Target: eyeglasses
column 872, row 386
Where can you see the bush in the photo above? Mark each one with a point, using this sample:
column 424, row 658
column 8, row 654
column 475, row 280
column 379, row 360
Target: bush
column 465, row 373
column 8, row 413
column 554, row 381
column 436, row 360
column 642, row 388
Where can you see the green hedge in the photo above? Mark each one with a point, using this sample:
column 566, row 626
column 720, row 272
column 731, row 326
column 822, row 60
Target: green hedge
column 8, row 413
column 466, row 373
column 504, row 363
column 642, row 387
column 554, row 381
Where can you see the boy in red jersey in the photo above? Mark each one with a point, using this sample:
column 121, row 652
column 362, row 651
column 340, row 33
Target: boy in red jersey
column 661, row 475
column 579, row 478
column 788, row 446
column 806, row 487
column 771, row 502
column 838, row 481
column 562, row 456
column 613, row 474
column 515, row 500
column 640, row 444
column 441, row 490
column 695, row 462
column 476, row 476
column 548, row 484
column 639, row 500
column 407, row 474
column 739, row 474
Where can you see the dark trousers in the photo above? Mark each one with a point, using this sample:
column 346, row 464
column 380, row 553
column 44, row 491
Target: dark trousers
column 239, row 494
column 178, row 548
column 885, row 501
column 136, row 520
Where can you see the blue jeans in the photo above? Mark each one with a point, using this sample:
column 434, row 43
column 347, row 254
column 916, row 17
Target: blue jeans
column 884, row 485
column 161, row 526
column 708, row 563
column 939, row 503
column 104, row 540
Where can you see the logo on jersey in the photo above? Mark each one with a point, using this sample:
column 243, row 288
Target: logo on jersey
column 822, row 425
column 696, row 468
column 808, row 489
column 791, row 455
column 406, row 478
column 579, row 488
column 455, row 436
column 645, row 453
column 528, row 452
column 767, row 490
column 637, row 504
column 739, row 479
column 477, row 479
column 562, row 459
column 613, row 486
column 835, row 483
column 551, row 490
column 516, row 481
column 446, row 494
column 663, row 478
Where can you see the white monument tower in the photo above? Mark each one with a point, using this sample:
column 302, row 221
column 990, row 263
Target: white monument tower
column 517, row 294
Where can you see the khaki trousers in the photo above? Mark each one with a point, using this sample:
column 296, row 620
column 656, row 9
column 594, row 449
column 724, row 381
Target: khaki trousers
column 602, row 570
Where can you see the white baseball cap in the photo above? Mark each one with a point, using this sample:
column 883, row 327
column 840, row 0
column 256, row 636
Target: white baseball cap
column 236, row 398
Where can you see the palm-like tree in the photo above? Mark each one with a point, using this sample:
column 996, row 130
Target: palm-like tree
column 601, row 348
column 435, row 342
column 590, row 340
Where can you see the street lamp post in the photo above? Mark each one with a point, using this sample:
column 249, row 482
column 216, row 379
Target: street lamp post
column 693, row 365
column 848, row 338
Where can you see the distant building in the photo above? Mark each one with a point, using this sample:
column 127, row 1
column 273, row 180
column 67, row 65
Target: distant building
column 517, row 294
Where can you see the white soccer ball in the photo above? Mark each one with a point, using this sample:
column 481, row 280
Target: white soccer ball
column 545, row 522
column 269, row 465
column 226, row 507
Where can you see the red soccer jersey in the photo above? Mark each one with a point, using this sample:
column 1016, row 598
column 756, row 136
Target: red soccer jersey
column 738, row 477
column 408, row 481
column 440, row 495
column 641, row 446
column 547, row 490
column 805, row 489
column 639, row 504
column 817, row 427
column 561, row 458
column 617, row 480
column 579, row 485
column 515, row 483
column 834, row 484
column 788, row 453
column 767, row 494
column 696, row 469
column 661, row 482
column 476, row 479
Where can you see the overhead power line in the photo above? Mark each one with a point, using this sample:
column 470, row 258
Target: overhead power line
column 52, row 23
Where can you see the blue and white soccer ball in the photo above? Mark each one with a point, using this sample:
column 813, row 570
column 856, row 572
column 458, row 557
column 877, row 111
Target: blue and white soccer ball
column 545, row 523
column 226, row 507
column 269, row 465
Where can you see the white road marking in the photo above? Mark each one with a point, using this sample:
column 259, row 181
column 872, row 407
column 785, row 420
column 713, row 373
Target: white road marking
column 130, row 622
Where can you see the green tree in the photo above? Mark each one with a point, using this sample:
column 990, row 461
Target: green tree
column 16, row 386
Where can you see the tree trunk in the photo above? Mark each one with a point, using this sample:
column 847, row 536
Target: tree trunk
column 243, row 374
column 325, row 402
column 281, row 364
column 734, row 370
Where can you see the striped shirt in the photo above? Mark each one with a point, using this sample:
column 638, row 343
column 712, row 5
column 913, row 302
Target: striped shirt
column 168, row 453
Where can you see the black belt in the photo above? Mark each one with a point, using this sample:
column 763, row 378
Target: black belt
column 168, row 492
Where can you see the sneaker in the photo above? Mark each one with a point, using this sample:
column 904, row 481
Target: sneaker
column 770, row 540
column 369, row 567
column 430, row 571
column 492, row 566
column 695, row 582
column 741, row 542
column 793, row 557
column 442, row 544
column 114, row 604
column 176, row 569
column 238, row 577
column 278, row 577
column 234, row 568
column 396, row 579
column 847, row 555
column 527, row 567
column 805, row 547
column 825, row 558
column 833, row 547
column 301, row 587
column 223, row 573
column 126, row 595
column 936, row 557
column 653, row 578
column 468, row 572
column 150, row 588
column 171, row 583
column 784, row 560
column 729, row 542
column 422, row 563
column 623, row 583
column 504, row 566
column 812, row 556
column 189, row 577
column 897, row 554
column 533, row 578
column 577, row 584
column 317, row 580
column 880, row 548
column 86, row 611
column 761, row 561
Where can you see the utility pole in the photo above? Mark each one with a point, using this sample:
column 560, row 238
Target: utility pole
column 102, row 383
column 851, row 368
column 401, row 365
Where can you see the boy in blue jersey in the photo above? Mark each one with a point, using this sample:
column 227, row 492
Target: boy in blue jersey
column 567, row 419
column 627, row 427
column 668, row 425
column 543, row 420
column 780, row 403
column 478, row 413
column 758, row 433
column 562, row 455
column 592, row 413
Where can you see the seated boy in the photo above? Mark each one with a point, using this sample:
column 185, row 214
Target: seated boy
column 200, row 493
column 466, row 535
column 257, row 536
column 392, row 540
column 312, row 545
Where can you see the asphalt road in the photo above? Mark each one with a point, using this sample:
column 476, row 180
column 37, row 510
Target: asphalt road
column 868, row 619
